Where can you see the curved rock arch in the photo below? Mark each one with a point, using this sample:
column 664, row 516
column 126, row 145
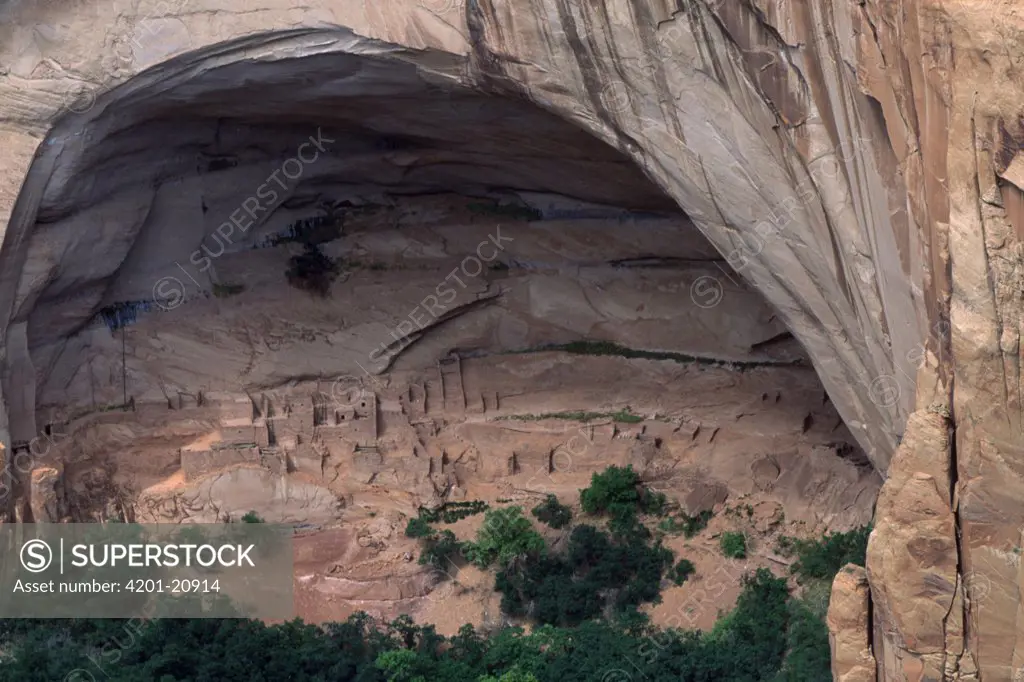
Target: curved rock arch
column 903, row 177
column 776, row 187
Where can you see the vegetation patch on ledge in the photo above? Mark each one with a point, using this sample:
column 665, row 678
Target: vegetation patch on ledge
column 582, row 601
column 624, row 416
column 608, row 348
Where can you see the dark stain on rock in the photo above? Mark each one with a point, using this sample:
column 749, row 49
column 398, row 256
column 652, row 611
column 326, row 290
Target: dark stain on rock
column 1009, row 142
column 766, row 60
column 588, row 67
column 928, row 552
column 487, row 69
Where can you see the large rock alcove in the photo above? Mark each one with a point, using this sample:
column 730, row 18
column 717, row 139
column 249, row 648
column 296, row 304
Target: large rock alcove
column 836, row 168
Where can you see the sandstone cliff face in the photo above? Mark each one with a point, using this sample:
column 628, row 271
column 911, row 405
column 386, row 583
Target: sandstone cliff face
column 852, row 660
column 912, row 554
column 860, row 163
column 781, row 165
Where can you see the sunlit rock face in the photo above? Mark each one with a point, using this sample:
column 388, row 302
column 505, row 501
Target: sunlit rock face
column 858, row 164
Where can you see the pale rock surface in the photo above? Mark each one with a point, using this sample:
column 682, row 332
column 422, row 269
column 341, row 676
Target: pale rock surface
column 858, row 162
column 233, row 493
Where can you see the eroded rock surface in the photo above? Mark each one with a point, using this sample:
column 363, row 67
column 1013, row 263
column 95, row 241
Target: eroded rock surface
column 350, row 459
column 859, row 163
column 912, row 558
column 849, row 617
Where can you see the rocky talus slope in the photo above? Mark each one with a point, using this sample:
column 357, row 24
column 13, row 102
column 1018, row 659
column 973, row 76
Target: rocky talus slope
column 859, row 163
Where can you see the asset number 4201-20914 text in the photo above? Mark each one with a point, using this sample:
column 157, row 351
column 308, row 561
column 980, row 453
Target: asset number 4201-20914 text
column 175, row 586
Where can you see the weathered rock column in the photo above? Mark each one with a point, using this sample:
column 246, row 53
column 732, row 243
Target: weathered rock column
column 913, row 556
column 849, row 623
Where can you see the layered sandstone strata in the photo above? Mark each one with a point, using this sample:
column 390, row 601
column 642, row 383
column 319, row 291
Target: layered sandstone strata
column 858, row 162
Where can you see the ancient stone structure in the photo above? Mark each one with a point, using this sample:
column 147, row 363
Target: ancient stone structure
column 860, row 163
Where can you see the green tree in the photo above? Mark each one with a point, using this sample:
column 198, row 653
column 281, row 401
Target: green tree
column 418, row 528
column 822, row 559
column 617, row 491
column 808, row 658
column 750, row 642
column 552, row 513
column 733, row 544
column 682, row 571
column 402, row 665
column 615, row 487
column 505, row 535
column 769, row 636
column 514, row 675
column 440, row 549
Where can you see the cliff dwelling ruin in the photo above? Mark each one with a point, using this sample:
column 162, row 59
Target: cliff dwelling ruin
column 516, row 307
column 333, row 264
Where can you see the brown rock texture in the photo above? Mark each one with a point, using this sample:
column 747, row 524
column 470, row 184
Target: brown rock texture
column 45, row 495
column 912, row 558
column 849, row 616
column 859, row 163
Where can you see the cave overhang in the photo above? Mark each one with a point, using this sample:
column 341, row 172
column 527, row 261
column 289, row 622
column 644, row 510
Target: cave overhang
column 718, row 160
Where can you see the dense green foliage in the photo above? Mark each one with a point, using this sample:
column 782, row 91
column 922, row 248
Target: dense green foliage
column 733, row 544
column 251, row 517
column 822, row 559
column 768, row 637
column 552, row 512
column 514, row 675
column 817, row 563
column 597, row 572
column 611, row 571
column 617, row 491
column 505, row 536
column 624, row 416
column 808, row 658
column 358, row 650
column 440, row 550
column 418, row 528
column 681, row 571
column 450, row 512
